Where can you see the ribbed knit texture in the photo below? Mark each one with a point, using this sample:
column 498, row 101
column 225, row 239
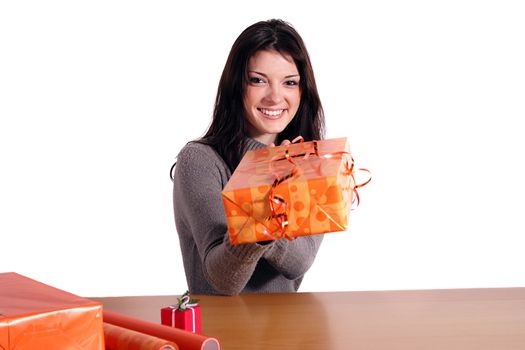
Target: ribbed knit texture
column 212, row 264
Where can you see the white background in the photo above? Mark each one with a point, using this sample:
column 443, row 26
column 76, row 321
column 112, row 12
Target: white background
column 97, row 97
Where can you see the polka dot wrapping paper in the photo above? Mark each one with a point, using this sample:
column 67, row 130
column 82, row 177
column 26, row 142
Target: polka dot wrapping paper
column 290, row 191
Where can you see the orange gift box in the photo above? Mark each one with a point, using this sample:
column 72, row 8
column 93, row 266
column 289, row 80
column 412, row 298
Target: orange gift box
column 289, row 191
column 34, row 315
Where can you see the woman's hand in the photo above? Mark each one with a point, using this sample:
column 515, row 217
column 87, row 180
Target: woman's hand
column 287, row 142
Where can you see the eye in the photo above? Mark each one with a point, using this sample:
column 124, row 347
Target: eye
column 255, row 80
column 291, row 83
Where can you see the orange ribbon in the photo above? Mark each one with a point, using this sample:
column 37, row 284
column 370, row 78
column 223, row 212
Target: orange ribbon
column 278, row 206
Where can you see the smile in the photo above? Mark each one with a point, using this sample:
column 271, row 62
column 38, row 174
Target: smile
column 271, row 113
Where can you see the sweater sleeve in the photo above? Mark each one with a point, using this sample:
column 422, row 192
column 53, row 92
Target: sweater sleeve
column 293, row 258
column 197, row 195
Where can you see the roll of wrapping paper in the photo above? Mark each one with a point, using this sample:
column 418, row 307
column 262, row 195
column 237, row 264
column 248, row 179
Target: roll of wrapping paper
column 185, row 340
column 119, row 338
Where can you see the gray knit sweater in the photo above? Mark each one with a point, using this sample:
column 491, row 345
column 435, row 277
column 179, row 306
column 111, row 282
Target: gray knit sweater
column 211, row 263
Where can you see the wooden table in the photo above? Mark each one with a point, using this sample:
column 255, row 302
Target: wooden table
column 461, row 319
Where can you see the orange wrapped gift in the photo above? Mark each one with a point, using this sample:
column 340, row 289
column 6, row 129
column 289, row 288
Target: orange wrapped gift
column 36, row 316
column 289, row 191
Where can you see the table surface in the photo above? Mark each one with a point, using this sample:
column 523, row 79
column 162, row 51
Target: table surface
column 461, row 319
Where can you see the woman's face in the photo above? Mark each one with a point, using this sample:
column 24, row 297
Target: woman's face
column 272, row 95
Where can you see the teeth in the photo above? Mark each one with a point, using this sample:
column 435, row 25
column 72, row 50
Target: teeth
column 272, row 113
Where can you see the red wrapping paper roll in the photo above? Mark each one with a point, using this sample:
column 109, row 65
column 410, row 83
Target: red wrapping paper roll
column 184, row 340
column 119, row 338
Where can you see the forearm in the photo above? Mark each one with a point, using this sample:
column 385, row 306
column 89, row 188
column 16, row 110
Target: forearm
column 293, row 258
column 228, row 268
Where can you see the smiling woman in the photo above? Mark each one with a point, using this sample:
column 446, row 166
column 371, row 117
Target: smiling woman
column 267, row 94
column 272, row 95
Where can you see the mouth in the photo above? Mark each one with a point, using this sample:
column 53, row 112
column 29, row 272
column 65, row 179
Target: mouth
column 271, row 113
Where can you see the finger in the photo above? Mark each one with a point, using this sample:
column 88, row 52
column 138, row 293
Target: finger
column 285, row 142
column 271, row 145
column 298, row 138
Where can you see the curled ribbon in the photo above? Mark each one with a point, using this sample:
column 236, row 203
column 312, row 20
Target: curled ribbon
column 184, row 303
column 279, row 206
column 350, row 172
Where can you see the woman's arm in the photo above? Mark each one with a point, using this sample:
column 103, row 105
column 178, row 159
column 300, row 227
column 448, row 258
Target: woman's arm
column 293, row 258
column 198, row 182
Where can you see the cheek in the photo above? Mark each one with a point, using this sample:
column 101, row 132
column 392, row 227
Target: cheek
column 294, row 98
column 250, row 96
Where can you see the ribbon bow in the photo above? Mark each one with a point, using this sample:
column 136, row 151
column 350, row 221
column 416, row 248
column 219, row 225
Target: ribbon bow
column 185, row 302
column 279, row 207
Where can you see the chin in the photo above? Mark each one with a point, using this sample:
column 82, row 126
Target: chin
column 274, row 131
column 276, row 128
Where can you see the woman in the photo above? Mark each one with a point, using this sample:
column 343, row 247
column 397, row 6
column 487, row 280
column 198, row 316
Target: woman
column 267, row 95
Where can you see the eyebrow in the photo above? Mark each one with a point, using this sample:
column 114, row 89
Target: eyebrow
column 264, row 75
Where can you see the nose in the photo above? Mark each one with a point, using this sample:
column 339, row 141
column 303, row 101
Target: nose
column 274, row 94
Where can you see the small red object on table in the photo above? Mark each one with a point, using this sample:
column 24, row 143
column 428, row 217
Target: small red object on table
column 185, row 315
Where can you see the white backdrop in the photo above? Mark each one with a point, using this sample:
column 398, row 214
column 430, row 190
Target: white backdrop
column 96, row 99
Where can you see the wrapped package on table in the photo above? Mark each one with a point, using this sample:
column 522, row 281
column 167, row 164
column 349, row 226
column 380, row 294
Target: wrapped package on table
column 34, row 315
column 185, row 315
column 290, row 191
